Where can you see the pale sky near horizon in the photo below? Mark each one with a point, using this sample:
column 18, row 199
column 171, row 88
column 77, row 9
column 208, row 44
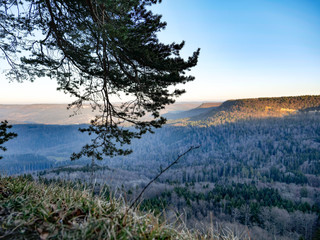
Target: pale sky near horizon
column 249, row 48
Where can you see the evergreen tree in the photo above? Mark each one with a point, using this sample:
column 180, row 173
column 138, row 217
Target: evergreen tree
column 97, row 49
column 5, row 135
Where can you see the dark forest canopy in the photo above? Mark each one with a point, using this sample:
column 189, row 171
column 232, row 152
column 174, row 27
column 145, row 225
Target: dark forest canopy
column 96, row 50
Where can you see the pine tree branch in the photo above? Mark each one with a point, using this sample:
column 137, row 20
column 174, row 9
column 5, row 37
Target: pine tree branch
column 159, row 174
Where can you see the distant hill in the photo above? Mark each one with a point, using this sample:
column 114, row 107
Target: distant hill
column 58, row 113
column 191, row 113
column 244, row 109
column 203, row 108
column 44, row 114
column 210, row 105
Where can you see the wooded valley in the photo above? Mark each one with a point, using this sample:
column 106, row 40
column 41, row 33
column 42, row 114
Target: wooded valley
column 259, row 174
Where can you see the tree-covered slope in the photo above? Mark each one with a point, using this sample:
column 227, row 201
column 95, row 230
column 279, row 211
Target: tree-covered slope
column 244, row 109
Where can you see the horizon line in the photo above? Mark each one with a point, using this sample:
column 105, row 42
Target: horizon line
column 177, row 102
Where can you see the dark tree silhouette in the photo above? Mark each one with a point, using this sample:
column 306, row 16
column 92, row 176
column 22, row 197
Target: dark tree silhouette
column 5, row 135
column 98, row 49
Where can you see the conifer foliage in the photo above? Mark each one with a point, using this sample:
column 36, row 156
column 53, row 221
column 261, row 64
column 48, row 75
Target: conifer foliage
column 98, row 49
column 5, row 135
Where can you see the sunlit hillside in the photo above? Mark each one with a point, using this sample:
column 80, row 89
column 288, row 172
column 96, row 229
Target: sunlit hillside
column 245, row 109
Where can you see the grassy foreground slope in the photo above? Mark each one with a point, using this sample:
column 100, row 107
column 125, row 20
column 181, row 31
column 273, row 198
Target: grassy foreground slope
column 33, row 210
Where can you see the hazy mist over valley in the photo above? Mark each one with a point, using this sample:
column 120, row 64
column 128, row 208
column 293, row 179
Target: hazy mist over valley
column 60, row 115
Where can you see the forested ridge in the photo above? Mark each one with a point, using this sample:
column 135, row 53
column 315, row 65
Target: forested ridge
column 244, row 109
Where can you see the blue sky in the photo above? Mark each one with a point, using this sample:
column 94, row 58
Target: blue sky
column 249, row 48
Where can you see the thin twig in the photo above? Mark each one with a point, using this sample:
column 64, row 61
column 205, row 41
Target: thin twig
column 161, row 172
